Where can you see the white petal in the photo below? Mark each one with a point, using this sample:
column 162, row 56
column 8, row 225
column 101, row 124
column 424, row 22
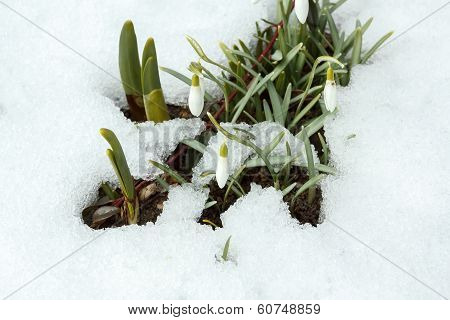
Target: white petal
column 201, row 80
column 301, row 10
column 196, row 100
column 329, row 95
column 222, row 172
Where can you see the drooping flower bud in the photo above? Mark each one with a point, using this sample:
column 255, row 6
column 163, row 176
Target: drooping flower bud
column 301, row 10
column 196, row 96
column 329, row 92
column 222, row 166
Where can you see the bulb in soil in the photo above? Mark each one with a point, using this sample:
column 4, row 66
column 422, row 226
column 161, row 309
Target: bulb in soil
column 330, row 91
column 196, row 96
column 301, row 10
column 222, row 166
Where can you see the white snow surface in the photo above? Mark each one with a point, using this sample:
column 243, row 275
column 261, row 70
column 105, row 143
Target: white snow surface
column 386, row 231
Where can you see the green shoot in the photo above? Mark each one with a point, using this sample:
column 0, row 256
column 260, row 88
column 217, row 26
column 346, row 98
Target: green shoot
column 126, row 182
column 141, row 82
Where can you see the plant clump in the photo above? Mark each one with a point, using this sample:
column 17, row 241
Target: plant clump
column 291, row 77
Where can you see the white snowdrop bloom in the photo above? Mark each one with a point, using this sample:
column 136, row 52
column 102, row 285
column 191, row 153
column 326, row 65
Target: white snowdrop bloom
column 222, row 166
column 329, row 92
column 301, row 10
column 196, row 96
column 201, row 79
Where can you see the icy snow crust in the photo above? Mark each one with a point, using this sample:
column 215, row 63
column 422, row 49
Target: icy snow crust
column 392, row 191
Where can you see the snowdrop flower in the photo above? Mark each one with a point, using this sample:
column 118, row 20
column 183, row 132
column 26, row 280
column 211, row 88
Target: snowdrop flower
column 201, row 79
column 196, row 96
column 222, row 166
column 329, row 92
column 301, row 10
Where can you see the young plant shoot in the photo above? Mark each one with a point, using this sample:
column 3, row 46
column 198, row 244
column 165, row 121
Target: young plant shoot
column 141, row 83
column 130, row 209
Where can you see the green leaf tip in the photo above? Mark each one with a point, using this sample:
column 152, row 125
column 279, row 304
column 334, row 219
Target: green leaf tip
column 129, row 64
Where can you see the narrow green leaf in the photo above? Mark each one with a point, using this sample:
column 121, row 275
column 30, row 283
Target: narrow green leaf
column 356, row 52
column 194, row 144
column 129, row 64
column 275, row 101
column 226, row 249
column 163, row 183
column 110, row 193
column 308, row 184
column 273, row 144
column 175, row 175
column 286, row 102
column 289, row 188
column 304, row 111
column 150, row 76
column 243, row 102
column 119, row 160
column 267, row 111
column 375, row 47
column 324, row 148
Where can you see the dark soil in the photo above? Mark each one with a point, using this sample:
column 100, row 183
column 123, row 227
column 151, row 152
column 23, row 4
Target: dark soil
column 152, row 204
column 137, row 114
column 150, row 207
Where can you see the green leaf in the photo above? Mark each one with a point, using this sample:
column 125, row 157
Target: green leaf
column 349, row 41
column 149, row 51
column 155, row 106
column 175, row 175
column 119, row 162
column 357, row 45
column 375, row 47
column 230, row 185
column 150, row 76
column 243, row 102
column 311, row 168
column 276, row 103
column 304, row 111
column 194, row 144
column 286, row 102
column 273, row 144
column 311, row 183
column 333, row 29
column 163, row 183
column 289, row 188
column 324, row 168
column 316, row 124
column 324, row 148
column 267, row 111
column 110, row 193
column 129, row 64
column 226, row 248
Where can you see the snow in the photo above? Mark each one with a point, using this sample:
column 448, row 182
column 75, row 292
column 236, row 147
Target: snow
column 391, row 192
column 261, row 134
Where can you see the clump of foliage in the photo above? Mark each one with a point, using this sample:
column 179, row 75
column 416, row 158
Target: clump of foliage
column 291, row 77
column 141, row 83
